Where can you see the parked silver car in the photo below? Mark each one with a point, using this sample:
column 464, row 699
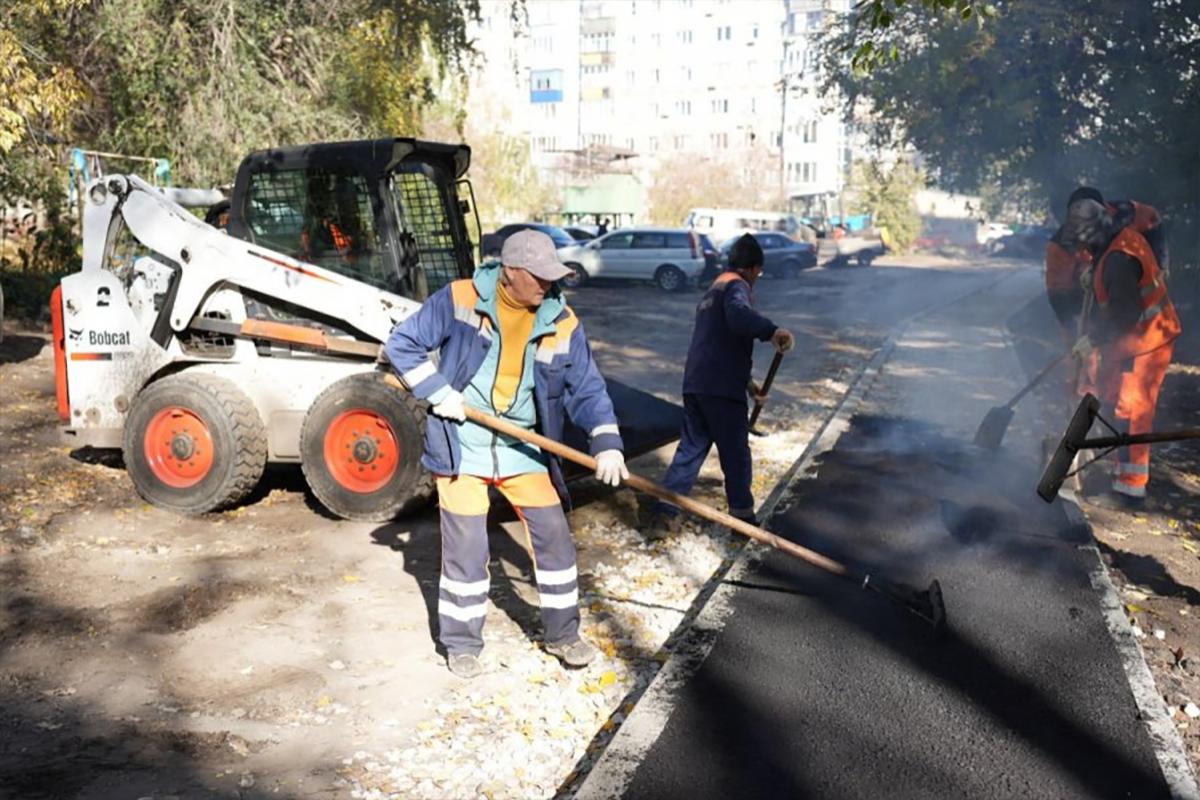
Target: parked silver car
column 670, row 257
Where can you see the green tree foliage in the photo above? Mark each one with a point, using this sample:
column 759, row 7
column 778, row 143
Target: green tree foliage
column 1044, row 96
column 886, row 193
column 203, row 82
column 872, row 20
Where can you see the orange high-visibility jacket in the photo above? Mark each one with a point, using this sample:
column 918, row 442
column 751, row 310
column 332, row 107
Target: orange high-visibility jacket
column 1063, row 267
column 1159, row 323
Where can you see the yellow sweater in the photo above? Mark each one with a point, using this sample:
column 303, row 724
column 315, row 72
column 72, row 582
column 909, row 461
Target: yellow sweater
column 516, row 324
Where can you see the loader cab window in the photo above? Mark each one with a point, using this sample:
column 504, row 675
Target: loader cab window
column 321, row 217
column 422, row 199
column 122, row 250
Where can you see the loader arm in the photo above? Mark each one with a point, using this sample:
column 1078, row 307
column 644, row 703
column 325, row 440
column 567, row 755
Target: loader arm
column 209, row 260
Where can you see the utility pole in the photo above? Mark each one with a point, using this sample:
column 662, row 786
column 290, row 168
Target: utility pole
column 783, row 93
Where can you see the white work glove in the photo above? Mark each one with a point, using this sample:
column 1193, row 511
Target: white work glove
column 453, row 406
column 1083, row 348
column 610, row 467
column 783, row 340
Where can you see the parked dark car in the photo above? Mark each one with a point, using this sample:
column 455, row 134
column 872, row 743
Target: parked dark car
column 782, row 257
column 1026, row 243
column 492, row 242
column 580, row 234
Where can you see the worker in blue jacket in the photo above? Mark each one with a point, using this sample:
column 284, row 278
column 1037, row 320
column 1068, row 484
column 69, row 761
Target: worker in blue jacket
column 716, row 383
column 507, row 345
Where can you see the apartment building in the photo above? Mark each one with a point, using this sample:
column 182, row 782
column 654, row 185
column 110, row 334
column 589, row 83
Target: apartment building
column 616, row 86
column 816, row 145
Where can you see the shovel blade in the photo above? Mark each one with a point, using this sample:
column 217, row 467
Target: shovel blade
column 992, row 429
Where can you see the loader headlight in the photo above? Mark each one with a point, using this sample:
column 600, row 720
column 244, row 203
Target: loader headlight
column 98, row 194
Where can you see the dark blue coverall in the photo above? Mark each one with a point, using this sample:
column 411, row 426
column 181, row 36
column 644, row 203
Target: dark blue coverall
column 715, row 406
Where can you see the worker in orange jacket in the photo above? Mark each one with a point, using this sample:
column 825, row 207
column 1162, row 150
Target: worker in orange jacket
column 1067, row 261
column 1133, row 328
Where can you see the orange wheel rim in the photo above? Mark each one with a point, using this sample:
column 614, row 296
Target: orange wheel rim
column 178, row 447
column 361, row 450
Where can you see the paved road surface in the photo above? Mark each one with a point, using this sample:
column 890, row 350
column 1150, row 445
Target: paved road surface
column 814, row 688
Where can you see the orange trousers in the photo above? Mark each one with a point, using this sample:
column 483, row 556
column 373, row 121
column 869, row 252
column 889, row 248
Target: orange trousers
column 1130, row 387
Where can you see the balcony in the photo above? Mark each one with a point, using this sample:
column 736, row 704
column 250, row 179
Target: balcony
column 598, row 26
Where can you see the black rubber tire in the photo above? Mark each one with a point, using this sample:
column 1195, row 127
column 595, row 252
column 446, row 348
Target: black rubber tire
column 578, row 276
column 408, row 489
column 670, row 278
column 239, row 442
column 792, row 269
column 865, row 257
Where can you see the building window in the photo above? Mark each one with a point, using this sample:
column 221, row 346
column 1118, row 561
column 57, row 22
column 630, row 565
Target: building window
column 720, row 106
column 545, row 86
column 719, row 140
column 724, row 33
column 653, row 144
column 684, row 37
column 657, row 76
column 754, row 32
column 683, row 107
column 809, row 131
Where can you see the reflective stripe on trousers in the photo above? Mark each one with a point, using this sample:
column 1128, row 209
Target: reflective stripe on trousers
column 464, row 583
column 1131, row 388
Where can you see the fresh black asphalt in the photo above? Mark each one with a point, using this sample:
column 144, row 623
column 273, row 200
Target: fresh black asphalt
column 817, row 689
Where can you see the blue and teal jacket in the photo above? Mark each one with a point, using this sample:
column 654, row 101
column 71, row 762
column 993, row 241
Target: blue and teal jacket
column 459, row 323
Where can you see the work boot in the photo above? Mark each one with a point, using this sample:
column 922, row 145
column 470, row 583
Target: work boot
column 574, row 654
column 749, row 518
column 464, row 665
column 660, row 525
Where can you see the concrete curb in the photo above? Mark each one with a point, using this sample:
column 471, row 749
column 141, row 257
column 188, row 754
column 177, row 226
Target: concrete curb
column 1168, row 746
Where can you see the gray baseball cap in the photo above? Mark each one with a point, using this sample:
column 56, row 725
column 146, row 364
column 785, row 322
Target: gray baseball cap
column 533, row 251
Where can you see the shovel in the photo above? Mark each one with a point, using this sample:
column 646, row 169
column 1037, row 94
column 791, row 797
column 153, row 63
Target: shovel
column 926, row 604
column 766, row 387
column 991, row 431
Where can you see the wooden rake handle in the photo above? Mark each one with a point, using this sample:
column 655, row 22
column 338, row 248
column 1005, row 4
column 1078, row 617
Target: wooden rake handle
column 661, row 492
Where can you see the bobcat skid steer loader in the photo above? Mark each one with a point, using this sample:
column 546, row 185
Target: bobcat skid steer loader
column 206, row 354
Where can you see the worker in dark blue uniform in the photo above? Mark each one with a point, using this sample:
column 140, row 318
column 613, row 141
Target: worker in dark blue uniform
column 716, row 385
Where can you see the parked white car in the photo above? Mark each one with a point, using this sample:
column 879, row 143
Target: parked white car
column 990, row 231
column 670, row 257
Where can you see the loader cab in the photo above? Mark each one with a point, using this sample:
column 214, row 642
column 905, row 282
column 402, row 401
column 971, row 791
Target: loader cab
column 385, row 212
